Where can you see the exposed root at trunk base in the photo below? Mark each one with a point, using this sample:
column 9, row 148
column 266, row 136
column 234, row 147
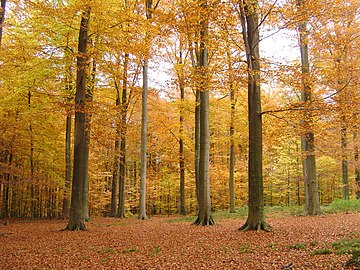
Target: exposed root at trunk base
column 257, row 226
column 204, row 221
column 77, row 227
column 143, row 218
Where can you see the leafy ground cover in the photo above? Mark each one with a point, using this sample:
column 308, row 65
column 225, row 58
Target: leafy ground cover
column 296, row 242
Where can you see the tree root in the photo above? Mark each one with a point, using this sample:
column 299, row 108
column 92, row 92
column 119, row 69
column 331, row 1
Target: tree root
column 77, row 227
column 258, row 226
column 204, row 221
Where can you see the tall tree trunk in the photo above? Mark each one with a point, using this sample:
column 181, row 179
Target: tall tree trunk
column 66, row 205
column 88, row 114
column 250, row 25
column 124, row 108
column 312, row 201
column 143, row 143
column 34, row 198
column 197, row 147
column 77, row 217
column 142, row 215
column 357, row 167
column 181, row 141
column 344, row 163
column 2, row 18
column 232, row 147
column 204, row 215
column 115, row 179
column 6, row 209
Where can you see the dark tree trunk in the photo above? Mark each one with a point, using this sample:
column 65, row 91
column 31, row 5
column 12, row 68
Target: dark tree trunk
column 344, row 163
column 34, row 199
column 123, row 130
column 77, row 217
column 181, row 142
column 2, row 18
column 312, row 202
column 68, row 166
column 7, row 189
column 357, row 167
column 232, row 144
column 115, row 179
column 88, row 114
column 204, row 215
column 250, row 25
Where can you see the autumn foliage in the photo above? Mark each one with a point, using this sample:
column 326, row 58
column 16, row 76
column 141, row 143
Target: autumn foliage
column 37, row 86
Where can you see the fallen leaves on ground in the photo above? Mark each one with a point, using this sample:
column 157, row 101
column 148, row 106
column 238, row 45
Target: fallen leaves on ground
column 111, row 243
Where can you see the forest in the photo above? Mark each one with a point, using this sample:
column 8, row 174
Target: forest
column 128, row 107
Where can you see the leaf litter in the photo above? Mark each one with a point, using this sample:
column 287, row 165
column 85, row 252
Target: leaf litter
column 111, row 243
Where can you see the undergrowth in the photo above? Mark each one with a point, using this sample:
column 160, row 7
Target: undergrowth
column 337, row 206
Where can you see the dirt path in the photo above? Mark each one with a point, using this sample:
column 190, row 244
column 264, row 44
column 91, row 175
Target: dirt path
column 157, row 244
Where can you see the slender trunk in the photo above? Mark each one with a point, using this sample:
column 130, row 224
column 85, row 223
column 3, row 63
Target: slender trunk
column 312, row 202
column 2, row 18
column 68, row 167
column 115, row 179
column 344, row 163
column 7, row 189
column 357, row 168
column 232, row 144
column 77, row 217
column 250, row 25
column 142, row 214
column 32, row 167
column 181, row 143
column 124, row 108
column 143, row 143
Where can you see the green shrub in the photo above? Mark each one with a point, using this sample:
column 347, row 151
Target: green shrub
column 322, row 251
column 297, row 246
column 339, row 205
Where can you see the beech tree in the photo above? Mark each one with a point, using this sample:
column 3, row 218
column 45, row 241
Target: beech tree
column 250, row 27
column 77, row 217
column 204, row 215
column 2, row 17
column 142, row 215
column 312, row 203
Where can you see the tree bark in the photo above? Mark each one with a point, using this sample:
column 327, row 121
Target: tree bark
column 122, row 168
column 88, row 114
column 344, row 163
column 204, row 215
column 181, row 141
column 115, row 179
column 34, row 199
column 312, row 202
column 67, row 167
column 232, row 144
column 197, row 146
column 143, row 164
column 357, row 167
column 77, row 217
column 250, row 25
column 2, row 18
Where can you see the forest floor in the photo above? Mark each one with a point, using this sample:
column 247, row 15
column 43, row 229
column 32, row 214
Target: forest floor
column 172, row 243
